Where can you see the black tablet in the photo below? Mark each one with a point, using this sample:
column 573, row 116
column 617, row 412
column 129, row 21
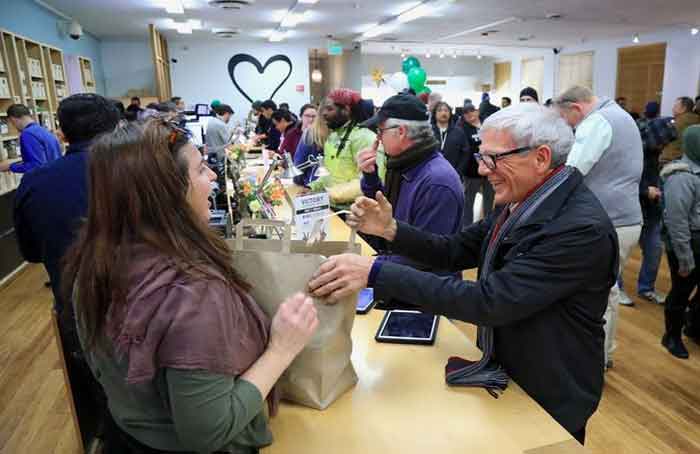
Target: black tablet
column 365, row 301
column 408, row 327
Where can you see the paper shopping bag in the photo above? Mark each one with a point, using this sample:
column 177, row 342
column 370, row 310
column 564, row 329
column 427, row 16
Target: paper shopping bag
column 277, row 269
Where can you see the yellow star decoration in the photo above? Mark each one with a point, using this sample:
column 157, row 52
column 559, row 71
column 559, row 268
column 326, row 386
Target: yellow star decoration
column 378, row 76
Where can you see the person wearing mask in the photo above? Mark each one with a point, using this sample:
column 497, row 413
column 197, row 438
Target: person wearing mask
column 187, row 359
column 540, row 295
column 268, row 135
column 506, row 102
column 650, row 201
column 36, row 144
column 422, row 186
column 451, row 139
column 343, row 112
column 608, row 152
column 473, row 181
column 683, row 116
column 682, row 237
column 486, row 109
column 218, row 133
column 289, row 129
column 529, row 94
column 313, row 137
column 50, row 204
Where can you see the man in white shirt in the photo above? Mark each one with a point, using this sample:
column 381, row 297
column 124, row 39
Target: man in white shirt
column 608, row 152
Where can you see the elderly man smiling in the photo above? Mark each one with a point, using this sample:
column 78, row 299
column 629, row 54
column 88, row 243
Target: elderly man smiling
column 546, row 264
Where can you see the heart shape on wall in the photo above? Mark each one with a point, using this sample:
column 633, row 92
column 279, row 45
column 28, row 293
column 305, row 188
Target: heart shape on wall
column 246, row 58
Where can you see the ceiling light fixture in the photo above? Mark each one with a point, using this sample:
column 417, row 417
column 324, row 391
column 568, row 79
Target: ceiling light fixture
column 186, row 28
column 427, row 54
column 636, row 38
column 316, row 74
column 694, row 31
column 174, row 7
column 308, row 2
column 277, row 36
column 422, row 9
column 480, row 28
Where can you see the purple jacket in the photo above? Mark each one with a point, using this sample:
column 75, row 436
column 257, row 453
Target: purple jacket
column 431, row 199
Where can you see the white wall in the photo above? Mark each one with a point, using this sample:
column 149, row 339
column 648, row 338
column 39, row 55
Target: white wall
column 681, row 74
column 127, row 65
column 201, row 74
column 463, row 76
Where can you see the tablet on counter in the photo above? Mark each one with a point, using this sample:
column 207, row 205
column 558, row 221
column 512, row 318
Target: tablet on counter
column 408, row 327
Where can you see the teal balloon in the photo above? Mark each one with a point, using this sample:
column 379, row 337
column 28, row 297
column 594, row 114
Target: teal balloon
column 409, row 63
column 215, row 103
column 416, row 79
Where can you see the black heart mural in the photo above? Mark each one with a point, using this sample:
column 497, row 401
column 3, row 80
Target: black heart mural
column 246, row 58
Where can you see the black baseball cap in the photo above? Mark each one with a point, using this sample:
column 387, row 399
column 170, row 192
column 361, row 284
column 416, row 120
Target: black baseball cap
column 403, row 107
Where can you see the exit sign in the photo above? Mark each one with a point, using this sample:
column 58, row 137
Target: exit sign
column 335, row 48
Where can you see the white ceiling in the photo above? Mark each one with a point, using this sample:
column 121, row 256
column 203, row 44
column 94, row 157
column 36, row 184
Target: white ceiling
column 346, row 19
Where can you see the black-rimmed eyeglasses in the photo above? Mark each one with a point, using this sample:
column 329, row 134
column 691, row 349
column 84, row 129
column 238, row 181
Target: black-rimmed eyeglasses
column 489, row 160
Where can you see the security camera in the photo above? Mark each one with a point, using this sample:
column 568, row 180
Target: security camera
column 75, row 31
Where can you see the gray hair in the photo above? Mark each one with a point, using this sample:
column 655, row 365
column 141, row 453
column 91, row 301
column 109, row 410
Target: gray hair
column 574, row 95
column 418, row 131
column 532, row 125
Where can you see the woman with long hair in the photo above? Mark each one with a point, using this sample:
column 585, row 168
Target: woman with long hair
column 185, row 356
column 313, row 137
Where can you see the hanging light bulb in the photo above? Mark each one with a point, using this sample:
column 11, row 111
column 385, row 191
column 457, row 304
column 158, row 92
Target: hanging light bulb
column 478, row 55
column 427, row 54
column 694, row 31
column 636, row 38
column 403, row 55
column 454, row 54
column 442, row 54
column 316, row 74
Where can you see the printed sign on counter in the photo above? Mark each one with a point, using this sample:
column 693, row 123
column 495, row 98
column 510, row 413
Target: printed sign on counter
column 310, row 210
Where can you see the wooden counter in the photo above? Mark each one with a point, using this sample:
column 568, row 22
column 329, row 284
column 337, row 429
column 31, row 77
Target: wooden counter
column 402, row 405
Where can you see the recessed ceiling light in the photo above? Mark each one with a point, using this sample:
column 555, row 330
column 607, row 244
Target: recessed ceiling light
column 174, row 7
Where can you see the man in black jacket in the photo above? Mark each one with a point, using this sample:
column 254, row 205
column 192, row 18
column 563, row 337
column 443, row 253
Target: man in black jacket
column 546, row 265
column 453, row 143
column 473, row 182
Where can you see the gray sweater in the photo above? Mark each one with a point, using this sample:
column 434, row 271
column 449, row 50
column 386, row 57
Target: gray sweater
column 681, row 191
column 218, row 136
column 614, row 179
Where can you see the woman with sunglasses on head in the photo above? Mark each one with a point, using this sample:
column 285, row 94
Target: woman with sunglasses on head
column 186, row 357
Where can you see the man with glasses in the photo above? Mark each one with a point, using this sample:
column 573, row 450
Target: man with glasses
column 546, row 265
column 420, row 183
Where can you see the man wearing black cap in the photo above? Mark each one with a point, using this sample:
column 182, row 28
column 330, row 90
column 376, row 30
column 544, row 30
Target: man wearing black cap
column 421, row 184
column 529, row 94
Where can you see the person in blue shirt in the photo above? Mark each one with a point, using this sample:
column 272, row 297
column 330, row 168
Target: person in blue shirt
column 37, row 145
column 50, row 203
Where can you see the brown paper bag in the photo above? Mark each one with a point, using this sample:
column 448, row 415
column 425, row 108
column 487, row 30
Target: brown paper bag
column 277, row 269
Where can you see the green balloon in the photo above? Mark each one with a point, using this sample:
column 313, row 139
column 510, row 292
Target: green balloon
column 408, row 63
column 416, row 79
column 215, row 103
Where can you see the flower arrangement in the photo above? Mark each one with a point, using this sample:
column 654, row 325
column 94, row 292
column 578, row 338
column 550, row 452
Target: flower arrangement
column 271, row 195
column 236, row 152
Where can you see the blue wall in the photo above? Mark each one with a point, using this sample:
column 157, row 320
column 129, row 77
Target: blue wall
column 30, row 20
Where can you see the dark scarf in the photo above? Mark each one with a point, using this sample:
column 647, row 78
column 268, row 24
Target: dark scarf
column 397, row 166
column 486, row 373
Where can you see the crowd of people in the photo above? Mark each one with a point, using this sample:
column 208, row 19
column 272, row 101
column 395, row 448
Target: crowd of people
column 161, row 330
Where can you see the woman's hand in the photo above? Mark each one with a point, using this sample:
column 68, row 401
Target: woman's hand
column 293, row 325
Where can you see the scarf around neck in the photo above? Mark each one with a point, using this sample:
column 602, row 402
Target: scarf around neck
column 486, row 372
column 397, row 166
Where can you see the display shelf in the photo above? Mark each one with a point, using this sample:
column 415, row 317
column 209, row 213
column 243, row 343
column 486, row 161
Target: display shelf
column 87, row 74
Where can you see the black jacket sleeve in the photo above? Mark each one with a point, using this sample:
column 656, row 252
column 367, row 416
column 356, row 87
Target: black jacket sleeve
column 444, row 252
column 29, row 245
column 529, row 281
